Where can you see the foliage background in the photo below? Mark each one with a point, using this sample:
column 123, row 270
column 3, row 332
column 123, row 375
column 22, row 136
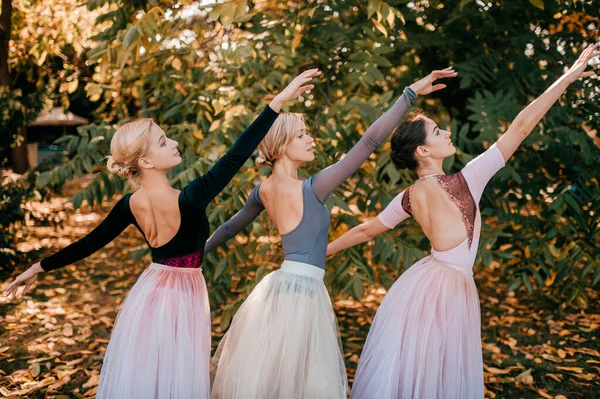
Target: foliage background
column 204, row 70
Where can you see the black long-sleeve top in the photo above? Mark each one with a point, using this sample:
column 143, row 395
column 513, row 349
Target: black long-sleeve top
column 185, row 249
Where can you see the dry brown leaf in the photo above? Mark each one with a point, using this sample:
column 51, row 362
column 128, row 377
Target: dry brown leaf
column 544, row 394
column 67, row 329
column 524, row 378
column 573, row 369
column 92, row 382
column 36, row 369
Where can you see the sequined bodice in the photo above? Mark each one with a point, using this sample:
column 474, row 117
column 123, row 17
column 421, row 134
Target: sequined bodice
column 458, row 191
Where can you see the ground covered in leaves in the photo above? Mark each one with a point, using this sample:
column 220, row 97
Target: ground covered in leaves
column 53, row 340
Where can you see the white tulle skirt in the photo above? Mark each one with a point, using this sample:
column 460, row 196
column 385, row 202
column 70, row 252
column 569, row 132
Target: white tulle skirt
column 425, row 341
column 160, row 345
column 283, row 341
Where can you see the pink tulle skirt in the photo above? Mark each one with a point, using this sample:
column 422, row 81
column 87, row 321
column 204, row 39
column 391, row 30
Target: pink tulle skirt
column 425, row 341
column 160, row 345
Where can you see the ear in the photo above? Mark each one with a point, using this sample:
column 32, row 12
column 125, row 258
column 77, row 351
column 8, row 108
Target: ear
column 143, row 163
column 422, row 151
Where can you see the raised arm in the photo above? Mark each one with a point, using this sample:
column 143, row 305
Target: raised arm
column 240, row 220
column 389, row 218
column 329, row 179
column 202, row 190
column 117, row 220
column 528, row 118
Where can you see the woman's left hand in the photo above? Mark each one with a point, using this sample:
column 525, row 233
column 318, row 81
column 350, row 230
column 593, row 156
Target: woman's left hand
column 426, row 86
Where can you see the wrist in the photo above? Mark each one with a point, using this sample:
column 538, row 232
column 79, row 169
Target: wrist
column 411, row 93
column 36, row 268
column 276, row 103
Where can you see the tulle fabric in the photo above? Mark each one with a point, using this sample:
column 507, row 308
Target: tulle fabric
column 160, row 345
column 425, row 341
column 283, row 343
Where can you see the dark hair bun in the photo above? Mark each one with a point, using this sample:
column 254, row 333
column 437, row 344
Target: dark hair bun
column 406, row 139
column 398, row 161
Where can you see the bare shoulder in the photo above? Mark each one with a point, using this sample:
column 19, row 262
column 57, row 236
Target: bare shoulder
column 273, row 188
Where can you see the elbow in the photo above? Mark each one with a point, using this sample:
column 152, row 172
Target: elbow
column 365, row 233
column 229, row 233
column 523, row 124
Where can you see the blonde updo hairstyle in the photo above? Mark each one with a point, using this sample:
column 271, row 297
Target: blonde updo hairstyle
column 279, row 138
column 129, row 143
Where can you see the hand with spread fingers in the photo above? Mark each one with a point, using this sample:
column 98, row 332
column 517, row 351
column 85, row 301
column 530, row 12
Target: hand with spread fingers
column 295, row 88
column 426, row 86
column 28, row 277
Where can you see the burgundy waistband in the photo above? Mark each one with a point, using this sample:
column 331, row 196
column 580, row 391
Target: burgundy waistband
column 190, row 261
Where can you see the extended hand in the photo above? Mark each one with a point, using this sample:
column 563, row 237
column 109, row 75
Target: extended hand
column 577, row 70
column 295, row 88
column 426, row 86
column 28, row 277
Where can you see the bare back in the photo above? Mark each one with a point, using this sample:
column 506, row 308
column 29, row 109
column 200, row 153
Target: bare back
column 283, row 202
column 157, row 214
column 439, row 217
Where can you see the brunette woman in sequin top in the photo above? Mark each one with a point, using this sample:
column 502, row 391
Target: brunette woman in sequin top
column 160, row 345
column 425, row 341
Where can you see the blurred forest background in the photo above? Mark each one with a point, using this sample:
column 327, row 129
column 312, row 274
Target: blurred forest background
column 204, row 69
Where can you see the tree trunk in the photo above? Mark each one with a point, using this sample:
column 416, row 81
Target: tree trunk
column 5, row 26
column 18, row 154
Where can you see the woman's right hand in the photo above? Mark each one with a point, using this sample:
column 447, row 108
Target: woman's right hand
column 28, row 277
column 295, row 88
column 426, row 86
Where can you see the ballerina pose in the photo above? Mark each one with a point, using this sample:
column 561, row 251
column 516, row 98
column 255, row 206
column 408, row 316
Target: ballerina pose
column 425, row 341
column 283, row 341
column 160, row 345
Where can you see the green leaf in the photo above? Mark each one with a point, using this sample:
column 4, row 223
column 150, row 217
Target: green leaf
column 358, row 288
column 372, row 7
column 131, row 36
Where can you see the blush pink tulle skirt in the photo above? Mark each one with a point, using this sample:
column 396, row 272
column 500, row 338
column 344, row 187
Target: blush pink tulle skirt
column 425, row 341
column 160, row 345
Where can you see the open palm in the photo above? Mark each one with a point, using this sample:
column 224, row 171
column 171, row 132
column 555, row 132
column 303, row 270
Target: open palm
column 426, row 85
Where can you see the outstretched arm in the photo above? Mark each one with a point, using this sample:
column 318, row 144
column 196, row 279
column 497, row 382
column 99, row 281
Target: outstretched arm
column 329, row 179
column 202, row 190
column 117, row 220
column 362, row 233
column 239, row 221
column 389, row 218
column 528, row 118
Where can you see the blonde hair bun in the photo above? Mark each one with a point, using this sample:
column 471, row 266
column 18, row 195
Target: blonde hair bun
column 118, row 168
column 129, row 143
